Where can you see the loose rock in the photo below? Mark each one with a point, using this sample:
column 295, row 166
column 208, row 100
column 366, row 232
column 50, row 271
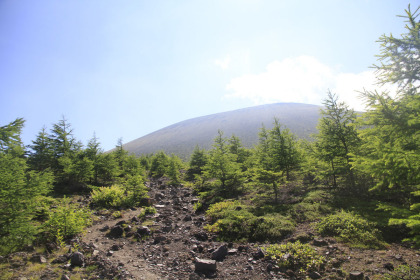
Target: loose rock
column 77, row 259
column 205, row 266
column 220, row 253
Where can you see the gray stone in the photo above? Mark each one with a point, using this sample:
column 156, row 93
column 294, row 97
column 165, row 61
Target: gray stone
column 356, row 275
column 95, row 253
column 120, row 223
column 258, row 255
column 187, row 218
column 319, row 242
column 205, row 266
column 201, row 236
column 61, row 259
column 104, row 228
column 232, row 251
column 220, row 253
column 389, row 266
column 116, row 231
column 38, row 259
column 315, row 275
column 77, row 259
column 115, row 247
column 143, row 231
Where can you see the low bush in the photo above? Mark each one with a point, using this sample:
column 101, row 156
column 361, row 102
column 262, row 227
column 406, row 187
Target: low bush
column 233, row 221
column 117, row 196
column 403, row 272
column 296, row 256
column 350, row 228
column 66, row 220
column 223, row 209
column 318, row 196
column 304, row 211
column 271, row 228
column 108, row 197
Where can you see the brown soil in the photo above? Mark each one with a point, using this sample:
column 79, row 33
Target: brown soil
column 174, row 238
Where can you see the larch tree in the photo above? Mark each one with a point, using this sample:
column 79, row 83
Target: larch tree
column 222, row 165
column 391, row 127
column 19, row 190
column 337, row 138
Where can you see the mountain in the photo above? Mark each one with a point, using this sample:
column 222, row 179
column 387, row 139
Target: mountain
column 182, row 137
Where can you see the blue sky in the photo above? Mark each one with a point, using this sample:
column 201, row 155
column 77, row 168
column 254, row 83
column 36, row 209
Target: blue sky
column 123, row 69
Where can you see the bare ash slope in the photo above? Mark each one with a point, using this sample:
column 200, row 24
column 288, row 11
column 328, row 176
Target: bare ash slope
column 182, row 137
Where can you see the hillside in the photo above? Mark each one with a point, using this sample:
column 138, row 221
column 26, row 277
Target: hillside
column 182, row 137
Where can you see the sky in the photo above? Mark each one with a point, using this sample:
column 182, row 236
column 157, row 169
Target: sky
column 123, row 69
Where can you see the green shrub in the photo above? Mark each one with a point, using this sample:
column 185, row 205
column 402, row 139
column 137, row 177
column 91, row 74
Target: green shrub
column 236, row 225
column 350, row 228
column 305, row 211
column 318, row 196
column 107, row 197
column 149, row 210
column 136, row 191
column 234, row 221
column 223, row 209
column 271, row 228
column 295, row 256
column 118, row 196
column 403, row 272
column 66, row 220
column 117, row 214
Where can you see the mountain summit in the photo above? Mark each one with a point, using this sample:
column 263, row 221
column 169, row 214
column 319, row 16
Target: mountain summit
column 182, row 137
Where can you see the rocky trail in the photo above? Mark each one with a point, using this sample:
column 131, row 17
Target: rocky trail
column 172, row 244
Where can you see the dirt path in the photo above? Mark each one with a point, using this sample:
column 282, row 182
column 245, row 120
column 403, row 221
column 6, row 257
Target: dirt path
column 176, row 239
column 167, row 244
column 126, row 256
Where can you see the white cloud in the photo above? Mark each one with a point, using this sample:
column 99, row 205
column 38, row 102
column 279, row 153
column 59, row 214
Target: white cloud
column 304, row 80
column 224, row 62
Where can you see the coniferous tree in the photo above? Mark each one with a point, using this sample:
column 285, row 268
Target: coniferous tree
column 391, row 127
column 222, row 165
column 10, row 141
column 283, row 149
column 173, row 170
column 93, row 152
column 19, row 190
column 277, row 155
column 337, row 138
column 197, row 162
column 41, row 156
column 159, row 164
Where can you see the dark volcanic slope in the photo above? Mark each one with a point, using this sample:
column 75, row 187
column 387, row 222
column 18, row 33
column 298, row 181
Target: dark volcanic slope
column 182, row 137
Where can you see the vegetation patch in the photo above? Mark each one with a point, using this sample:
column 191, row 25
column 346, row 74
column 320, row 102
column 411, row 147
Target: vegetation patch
column 66, row 220
column 117, row 196
column 350, row 228
column 403, row 272
column 298, row 257
column 233, row 221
